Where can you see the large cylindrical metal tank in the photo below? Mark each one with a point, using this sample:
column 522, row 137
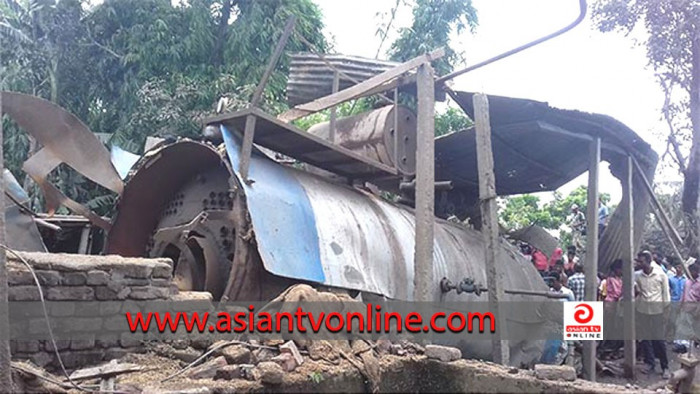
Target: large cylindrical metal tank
column 248, row 241
column 375, row 134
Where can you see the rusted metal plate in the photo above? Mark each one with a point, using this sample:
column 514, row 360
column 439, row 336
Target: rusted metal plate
column 65, row 139
column 64, row 135
column 162, row 172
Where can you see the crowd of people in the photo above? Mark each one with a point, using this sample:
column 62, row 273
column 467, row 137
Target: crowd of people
column 659, row 282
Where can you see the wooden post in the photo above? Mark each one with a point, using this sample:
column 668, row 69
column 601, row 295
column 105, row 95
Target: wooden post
column 5, row 359
column 334, row 115
column 628, row 275
column 660, row 214
column 489, row 224
column 425, row 186
column 591, row 264
column 249, row 131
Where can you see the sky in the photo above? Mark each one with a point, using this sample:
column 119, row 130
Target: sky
column 583, row 69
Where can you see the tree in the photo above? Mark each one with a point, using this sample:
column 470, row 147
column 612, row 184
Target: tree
column 517, row 212
column 138, row 68
column 521, row 211
column 450, row 121
column 654, row 237
column 673, row 51
column 433, row 22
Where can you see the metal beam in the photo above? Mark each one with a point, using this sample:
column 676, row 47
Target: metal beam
column 334, row 110
column 591, row 264
column 628, row 274
column 581, row 16
column 489, row 224
column 425, row 185
column 249, row 131
column 655, row 202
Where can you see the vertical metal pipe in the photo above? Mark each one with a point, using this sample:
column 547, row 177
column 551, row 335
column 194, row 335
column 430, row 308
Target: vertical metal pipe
column 425, row 185
column 5, row 373
column 84, row 245
column 628, row 274
column 489, row 224
column 591, row 264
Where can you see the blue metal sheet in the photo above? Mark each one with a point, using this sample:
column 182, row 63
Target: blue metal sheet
column 283, row 220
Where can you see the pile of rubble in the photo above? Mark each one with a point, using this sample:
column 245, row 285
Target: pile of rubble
column 332, row 366
column 269, row 362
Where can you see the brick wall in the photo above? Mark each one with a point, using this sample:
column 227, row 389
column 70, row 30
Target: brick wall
column 65, row 278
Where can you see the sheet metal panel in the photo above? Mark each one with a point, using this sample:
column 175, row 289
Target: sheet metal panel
column 282, row 217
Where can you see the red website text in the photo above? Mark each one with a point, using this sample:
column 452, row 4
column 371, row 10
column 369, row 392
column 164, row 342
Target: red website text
column 373, row 320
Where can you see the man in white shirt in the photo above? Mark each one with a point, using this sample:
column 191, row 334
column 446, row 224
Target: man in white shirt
column 558, row 287
column 603, row 214
column 652, row 296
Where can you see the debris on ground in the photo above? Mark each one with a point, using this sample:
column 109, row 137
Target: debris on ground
column 443, row 353
column 555, row 372
column 309, row 366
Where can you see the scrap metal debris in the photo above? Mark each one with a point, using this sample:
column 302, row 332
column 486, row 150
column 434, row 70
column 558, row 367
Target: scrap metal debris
column 105, row 371
column 64, row 139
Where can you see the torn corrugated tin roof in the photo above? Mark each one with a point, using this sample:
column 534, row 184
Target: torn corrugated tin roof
column 536, row 147
column 310, row 77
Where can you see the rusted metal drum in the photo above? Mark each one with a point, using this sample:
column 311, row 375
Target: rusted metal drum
column 371, row 134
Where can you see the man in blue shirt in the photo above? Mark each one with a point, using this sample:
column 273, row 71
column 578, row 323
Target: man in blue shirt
column 676, row 284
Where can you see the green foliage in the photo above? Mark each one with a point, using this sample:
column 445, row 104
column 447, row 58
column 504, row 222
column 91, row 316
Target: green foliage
column 188, row 57
column 348, row 108
column 670, row 27
column 137, row 68
column 654, row 236
column 433, row 22
column 451, row 121
column 521, row 211
column 316, row 377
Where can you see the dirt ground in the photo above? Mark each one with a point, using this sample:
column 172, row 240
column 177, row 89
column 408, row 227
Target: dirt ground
column 413, row 373
column 645, row 381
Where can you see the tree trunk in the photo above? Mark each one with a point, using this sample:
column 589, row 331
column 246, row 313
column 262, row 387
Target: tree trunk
column 217, row 56
column 53, row 80
column 691, row 184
